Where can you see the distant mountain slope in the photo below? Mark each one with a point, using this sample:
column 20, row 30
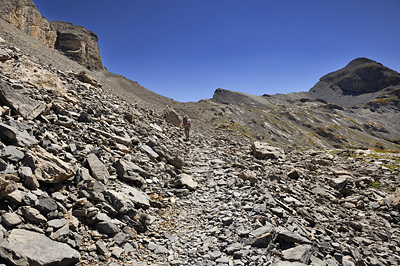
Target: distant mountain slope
column 356, row 106
column 361, row 81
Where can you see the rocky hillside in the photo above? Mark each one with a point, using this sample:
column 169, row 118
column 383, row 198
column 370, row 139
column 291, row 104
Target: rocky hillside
column 94, row 171
column 88, row 179
column 354, row 107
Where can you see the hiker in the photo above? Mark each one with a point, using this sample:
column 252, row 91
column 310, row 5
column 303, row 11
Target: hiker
column 186, row 126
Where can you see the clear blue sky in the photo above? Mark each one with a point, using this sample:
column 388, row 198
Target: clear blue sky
column 185, row 49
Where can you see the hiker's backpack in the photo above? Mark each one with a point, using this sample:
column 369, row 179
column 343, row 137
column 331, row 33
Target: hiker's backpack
column 186, row 121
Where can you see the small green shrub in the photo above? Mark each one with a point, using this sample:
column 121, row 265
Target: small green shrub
column 376, row 184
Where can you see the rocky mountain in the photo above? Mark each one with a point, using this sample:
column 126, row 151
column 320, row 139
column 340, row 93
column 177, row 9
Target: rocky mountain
column 358, row 83
column 354, row 107
column 94, row 170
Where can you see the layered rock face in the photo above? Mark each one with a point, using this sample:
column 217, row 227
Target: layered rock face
column 76, row 42
column 24, row 15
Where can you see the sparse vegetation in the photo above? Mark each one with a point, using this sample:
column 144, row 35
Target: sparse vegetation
column 376, row 184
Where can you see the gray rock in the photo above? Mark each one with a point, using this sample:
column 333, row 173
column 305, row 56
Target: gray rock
column 186, row 180
column 149, row 151
column 288, row 263
column 125, row 141
column 157, row 249
column 32, row 215
column 130, row 172
column 57, row 223
column 11, row 219
column 176, row 161
column 262, row 237
column 61, row 234
column 138, row 197
column 13, row 154
column 101, row 247
column 98, row 169
column 105, row 225
column 46, row 205
column 263, row 150
column 17, row 196
column 339, row 182
column 39, row 249
column 172, row 116
column 290, row 237
column 15, row 136
column 300, row 253
column 20, row 103
column 24, row 171
column 117, row 252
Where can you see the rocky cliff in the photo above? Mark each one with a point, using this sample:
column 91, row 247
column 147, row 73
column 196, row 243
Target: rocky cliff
column 24, row 15
column 76, row 42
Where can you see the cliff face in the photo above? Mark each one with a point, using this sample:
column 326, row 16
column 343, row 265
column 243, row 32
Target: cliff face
column 76, row 42
column 24, row 16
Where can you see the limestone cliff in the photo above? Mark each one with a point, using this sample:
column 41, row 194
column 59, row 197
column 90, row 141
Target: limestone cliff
column 76, row 42
column 24, row 15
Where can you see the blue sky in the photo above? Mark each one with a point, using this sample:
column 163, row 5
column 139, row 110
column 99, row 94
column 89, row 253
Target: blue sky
column 186, row 49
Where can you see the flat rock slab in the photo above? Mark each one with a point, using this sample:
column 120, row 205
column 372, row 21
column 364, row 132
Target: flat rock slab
column 98, row 169
column 38, row 249
column 20, row 103
column 47, row 167
column 263, row 150
column 136, row 196
column 186, row 181
column 300, row 254
column 15, row 136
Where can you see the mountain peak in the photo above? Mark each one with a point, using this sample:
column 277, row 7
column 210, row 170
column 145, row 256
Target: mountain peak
column 361, row 76
column 361, row 61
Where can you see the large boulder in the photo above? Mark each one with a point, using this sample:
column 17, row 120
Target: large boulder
column 262, row 150
column 32, row 248
column 21, row 104
column 47, row 167
column 172, row 116
column 13, row 135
